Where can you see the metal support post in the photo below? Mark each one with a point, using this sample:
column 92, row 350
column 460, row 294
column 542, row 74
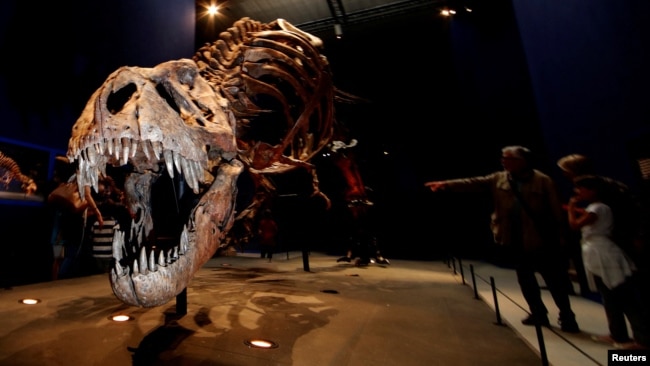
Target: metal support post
column 496, row 301
column 471, row 270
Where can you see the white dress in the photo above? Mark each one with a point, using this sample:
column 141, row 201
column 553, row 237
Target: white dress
column 601, row 256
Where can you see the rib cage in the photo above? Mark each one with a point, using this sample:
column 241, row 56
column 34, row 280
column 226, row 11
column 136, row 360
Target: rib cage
column 269, row 74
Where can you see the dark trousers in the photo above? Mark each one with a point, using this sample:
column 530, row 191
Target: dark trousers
column 620, row 302
column 573, row 251
column 266, row 251
column 549, row 265
column 73, row 233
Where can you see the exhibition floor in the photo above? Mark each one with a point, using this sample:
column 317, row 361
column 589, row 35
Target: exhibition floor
column 317, row 311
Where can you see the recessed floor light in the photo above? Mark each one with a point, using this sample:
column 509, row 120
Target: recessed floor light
column 29, row 301
column 260, row 343
column 120, row 318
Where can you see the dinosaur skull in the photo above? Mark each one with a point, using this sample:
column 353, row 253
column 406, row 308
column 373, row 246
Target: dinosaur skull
column 200, row 120
column 166, row 117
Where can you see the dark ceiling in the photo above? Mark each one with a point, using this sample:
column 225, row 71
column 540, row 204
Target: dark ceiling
column 314, row 16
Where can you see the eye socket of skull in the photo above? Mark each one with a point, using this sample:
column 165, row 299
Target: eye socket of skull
column 117, row 100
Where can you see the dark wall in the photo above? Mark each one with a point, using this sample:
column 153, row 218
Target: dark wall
column 588, row 66
column 55, row 55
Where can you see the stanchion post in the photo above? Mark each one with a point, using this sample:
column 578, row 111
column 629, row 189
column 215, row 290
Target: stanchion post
column 181, row 302
column 496, row 301
column 542, row 347
column 305, row 260
column 462, row 273
column 471, row 271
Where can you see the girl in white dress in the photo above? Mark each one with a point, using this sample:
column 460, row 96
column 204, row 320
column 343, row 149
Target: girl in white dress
column 609, row 270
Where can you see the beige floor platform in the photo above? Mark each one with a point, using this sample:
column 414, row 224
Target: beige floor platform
column 405, row 313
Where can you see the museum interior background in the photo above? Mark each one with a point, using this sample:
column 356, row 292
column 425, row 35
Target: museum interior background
column 443, row 96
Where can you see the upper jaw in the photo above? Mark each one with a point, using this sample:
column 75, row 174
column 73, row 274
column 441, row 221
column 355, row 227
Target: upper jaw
column 143, row 155
column 168, row 113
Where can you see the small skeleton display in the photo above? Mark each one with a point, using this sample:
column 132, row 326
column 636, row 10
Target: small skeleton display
column 11, row 172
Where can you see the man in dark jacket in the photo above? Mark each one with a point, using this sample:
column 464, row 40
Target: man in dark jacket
column 528, row 220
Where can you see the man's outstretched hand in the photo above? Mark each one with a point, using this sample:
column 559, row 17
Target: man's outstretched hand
column 435, row 186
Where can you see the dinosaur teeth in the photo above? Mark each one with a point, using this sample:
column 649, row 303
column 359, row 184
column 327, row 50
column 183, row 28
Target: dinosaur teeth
column 91, row 153
column 117, row 269
column 152, row 261
column 146, row 145
column 143, row 261
column 185, row 240
column 134, row 147
column 126, row 147
column 162, row 262
column 136, row 270
column 118, row 245
column 198, row 171
column 81, row 159
column 169, row 256
column 80, row 165
column 102, row 169
column 178, row 160
column 169, row 162
column 157, row 149
column 80, row 183
column 117, row 149
column 140, row 234
column 94, row 179
column 189, row 176
column 147, row 261
column 109, row 146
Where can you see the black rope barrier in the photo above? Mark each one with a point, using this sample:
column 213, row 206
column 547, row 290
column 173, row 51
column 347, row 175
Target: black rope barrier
column 496, row 291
